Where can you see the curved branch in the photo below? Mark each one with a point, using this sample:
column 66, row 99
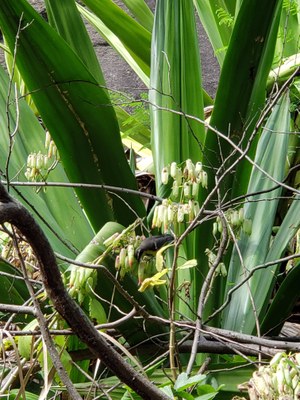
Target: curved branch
column 15, row 213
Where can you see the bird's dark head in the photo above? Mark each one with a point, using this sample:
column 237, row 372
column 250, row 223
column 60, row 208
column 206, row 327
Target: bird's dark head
column 153, row 244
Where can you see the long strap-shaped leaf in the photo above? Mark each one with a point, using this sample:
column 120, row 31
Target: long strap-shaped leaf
column 76, row 110
column 64, row 17
column 241, row 91
column 271, row 157
column 133, row 35
column 218, row 32
column 65, row 221
column 175, row 84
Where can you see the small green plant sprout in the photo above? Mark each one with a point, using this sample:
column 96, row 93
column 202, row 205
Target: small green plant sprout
column 236, row 220
column 192, row 388
column 39, row 165
column 225, row 18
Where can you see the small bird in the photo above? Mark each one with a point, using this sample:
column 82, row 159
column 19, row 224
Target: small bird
column 153, row 244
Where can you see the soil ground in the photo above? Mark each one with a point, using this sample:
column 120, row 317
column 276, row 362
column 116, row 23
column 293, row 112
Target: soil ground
column 119, row 75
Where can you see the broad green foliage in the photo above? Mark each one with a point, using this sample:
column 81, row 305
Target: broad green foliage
column 234, row 172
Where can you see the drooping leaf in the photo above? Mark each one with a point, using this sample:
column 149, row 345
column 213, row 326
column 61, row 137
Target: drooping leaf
column 75, row 109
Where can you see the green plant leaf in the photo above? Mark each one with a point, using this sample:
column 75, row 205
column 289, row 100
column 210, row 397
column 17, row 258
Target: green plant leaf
column 219, row 34
column 246, row 67
column 184, row 381
column 141, row 12
column 176, row 88
column 132, row 35
column 288, row 292
column 13, row 290
column 75, row 109
column 65, row 18
column 25, row 343
column 139, row 67
column 239, row 314
column 61, row 224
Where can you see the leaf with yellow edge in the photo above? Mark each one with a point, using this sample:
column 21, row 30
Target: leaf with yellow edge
column 153, row 281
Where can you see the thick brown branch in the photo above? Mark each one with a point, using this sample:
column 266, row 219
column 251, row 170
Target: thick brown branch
column 13, row 212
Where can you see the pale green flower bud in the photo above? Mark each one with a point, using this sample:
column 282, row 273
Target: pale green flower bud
column 195, row 190
column 27, row 173
column 47, row 140
column 191, row 170
column 33, row 173
column 215, row 228
column 247, row 226
column 127, row 265
column 198, row 168
column 185, row 173
column 173, row 170
column 164, row 176
column 191, row 210
column 204, row 179
column 180, row 214
column 179, row 177
column 162, row 209
column 45, row 162
column 110, row 240
column 275, row 360
column 220, row 225
column 117, row 263
column 280, row 378
column 223, row 270
column 155, row 217
column 51, row 149
column 211, row 256
column 122, row 255
column 130, row 253
column 170, row 213
column 141, row 271
column 186, row 209
column 39, row 160
column 31, row 160
column 54, row 151
column 297, row 358
column 166, row 221
column 196, row 208
column 175, row 190
column 187, row 190
column 235, row 218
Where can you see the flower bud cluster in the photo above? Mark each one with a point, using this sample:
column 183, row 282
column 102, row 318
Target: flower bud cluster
column 186, row 180
column 124, row 247
column 182, row 206
column 236, row 219
column 170, row 213
column 38, row 164
column 279, row 380
column 50, row 147
column 221, row 268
